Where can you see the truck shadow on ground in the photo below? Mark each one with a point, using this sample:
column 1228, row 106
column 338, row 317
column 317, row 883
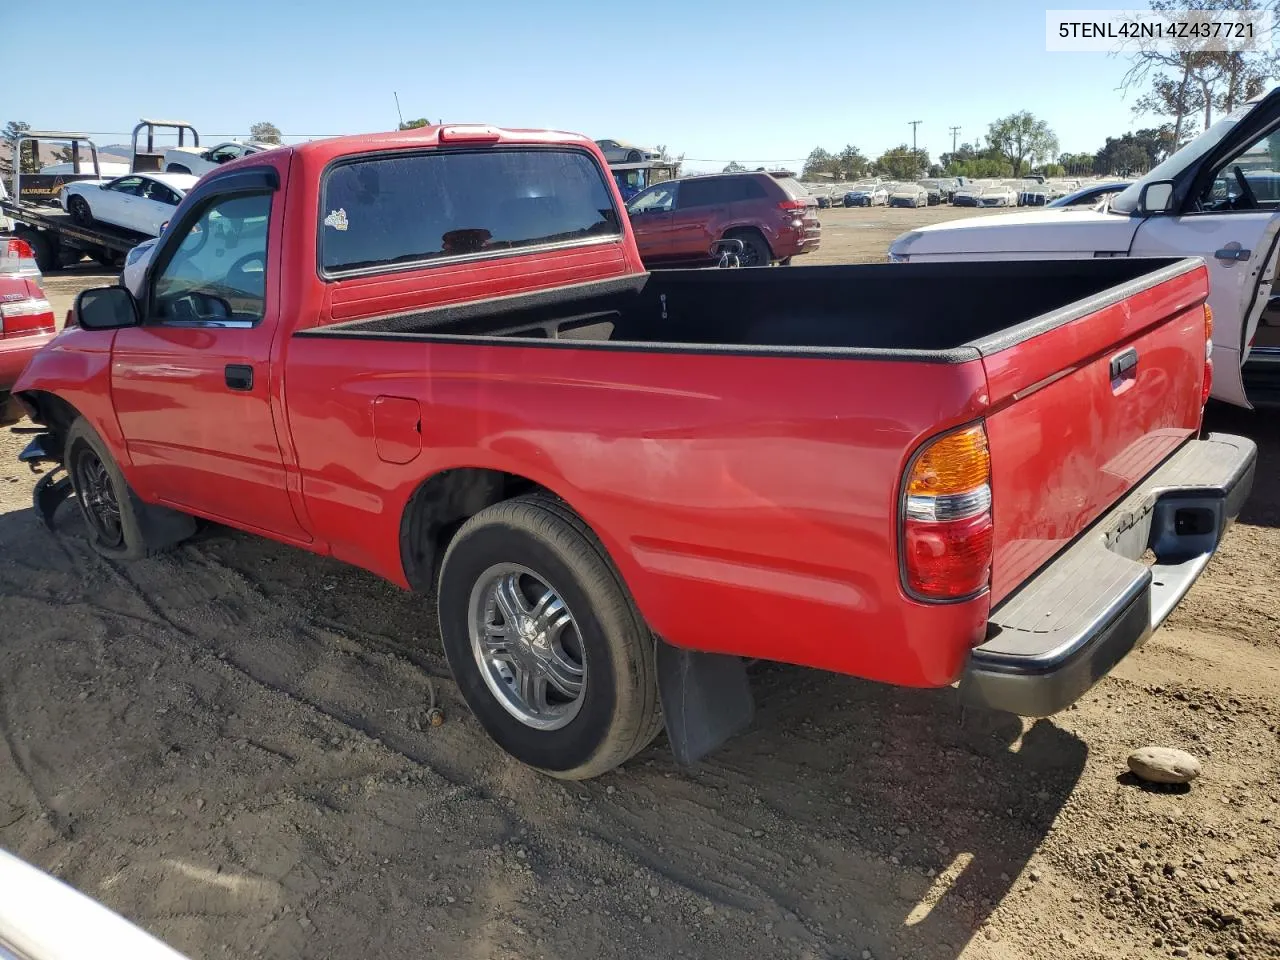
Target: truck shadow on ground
column 287, row 692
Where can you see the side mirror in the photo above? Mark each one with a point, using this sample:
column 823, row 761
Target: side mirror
column 1156, row 197
column 106, row 308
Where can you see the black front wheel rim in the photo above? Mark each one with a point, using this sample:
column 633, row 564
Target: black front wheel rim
column 97, row 497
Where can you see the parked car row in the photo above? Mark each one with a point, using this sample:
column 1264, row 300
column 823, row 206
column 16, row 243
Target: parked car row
column 1212, row 199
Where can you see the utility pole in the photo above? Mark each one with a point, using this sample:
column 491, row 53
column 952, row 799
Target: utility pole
column 914, row 124
column 398, row 113
column 955, row 131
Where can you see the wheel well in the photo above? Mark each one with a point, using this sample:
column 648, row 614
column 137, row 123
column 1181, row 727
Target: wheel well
column 52, row 411
column 440, row 506
column 734, row 232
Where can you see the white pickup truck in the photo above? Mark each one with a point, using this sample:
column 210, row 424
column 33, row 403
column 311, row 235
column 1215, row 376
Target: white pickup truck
column 200, row 160
column 1217, row 198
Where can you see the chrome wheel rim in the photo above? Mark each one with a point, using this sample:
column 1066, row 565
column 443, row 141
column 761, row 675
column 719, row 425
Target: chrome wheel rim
column 98, row 498
column 527, row 646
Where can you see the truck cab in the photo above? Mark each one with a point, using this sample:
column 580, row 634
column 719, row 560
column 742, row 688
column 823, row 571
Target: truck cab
column 1217, row 198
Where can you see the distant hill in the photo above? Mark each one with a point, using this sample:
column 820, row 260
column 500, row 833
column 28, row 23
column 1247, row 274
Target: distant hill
column 112, row 151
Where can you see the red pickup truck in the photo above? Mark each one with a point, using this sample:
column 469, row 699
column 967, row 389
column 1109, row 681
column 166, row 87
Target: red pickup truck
column 435, row 355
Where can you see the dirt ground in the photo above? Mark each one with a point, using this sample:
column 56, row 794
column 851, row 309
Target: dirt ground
column 228, row 745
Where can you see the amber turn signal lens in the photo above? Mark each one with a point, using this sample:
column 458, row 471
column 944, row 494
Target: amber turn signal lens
column 955, row 463
column 1208, row 322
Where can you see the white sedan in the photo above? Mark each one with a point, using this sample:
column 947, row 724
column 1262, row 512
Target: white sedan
column 199, row 160
column 141, row 202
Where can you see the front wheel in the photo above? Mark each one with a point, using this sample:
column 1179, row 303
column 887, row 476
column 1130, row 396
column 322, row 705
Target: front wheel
column 545, row 643
column 78, row 207
column 121, row 527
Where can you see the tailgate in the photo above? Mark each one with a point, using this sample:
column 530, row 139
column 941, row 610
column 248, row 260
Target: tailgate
column 1086, row 402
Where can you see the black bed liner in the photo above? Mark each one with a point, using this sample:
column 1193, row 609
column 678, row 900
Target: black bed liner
column 940, row 312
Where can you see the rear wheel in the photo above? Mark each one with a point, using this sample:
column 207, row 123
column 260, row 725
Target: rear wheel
column 176, row 168
column 634, row 156
column 755, row 249
column 547, row 648
column 78, row 207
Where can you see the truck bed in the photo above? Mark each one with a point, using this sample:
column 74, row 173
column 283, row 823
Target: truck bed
column 944, row 312
column 737, row 438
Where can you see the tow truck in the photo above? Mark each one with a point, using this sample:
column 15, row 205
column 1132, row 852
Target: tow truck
column 35, row 210
column 631, row 178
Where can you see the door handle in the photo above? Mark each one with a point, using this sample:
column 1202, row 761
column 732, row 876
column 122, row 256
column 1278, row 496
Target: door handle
column 1124, row 366
column 1229, row 254
column 239, row 376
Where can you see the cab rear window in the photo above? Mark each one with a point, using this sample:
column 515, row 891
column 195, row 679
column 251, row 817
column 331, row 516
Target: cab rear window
column 398, row 210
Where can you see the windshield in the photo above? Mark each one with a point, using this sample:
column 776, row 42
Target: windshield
column 1127, row 201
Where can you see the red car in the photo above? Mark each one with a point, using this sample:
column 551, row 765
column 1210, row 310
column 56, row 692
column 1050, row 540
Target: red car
column 26, row 319
column 681, row 221
column 435, row 354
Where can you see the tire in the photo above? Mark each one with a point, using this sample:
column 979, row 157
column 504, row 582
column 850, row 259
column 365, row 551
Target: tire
column 176, row 168
column 43, row 247
column 634, row 156
column 545, row 546
column 78, row 207
column 755, row 249
column 140, row 530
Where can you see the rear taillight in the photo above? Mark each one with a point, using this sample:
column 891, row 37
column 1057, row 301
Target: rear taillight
column 947, row 531
column 17, row 259
column 793, row 205
column 25, row 316
column 1207, row 388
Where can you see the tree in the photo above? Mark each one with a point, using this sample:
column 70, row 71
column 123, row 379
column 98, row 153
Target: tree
column 265, row 132
column 30, row 160
column 851, row 164
column 1076, row 164
column 733, row 166
column 415, row 124
column 902, row 163
column 819, row 163
column 1020, row 137
column 1188, row 79
column 970, row 160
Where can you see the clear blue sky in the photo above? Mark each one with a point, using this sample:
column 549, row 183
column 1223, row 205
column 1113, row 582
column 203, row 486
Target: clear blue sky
column 741, row 80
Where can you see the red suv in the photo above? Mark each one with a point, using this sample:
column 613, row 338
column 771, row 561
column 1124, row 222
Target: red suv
column 680, row 221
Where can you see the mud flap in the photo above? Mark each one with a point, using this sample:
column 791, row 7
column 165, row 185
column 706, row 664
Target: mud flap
column 50, row 491
column 706, row 699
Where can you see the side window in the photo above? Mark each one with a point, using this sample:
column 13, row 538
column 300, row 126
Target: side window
column 1250, row 180
column 225, row 154
column 704, row 192
column 131, row 186
column 659, row 199
column 154, row 190
column 752, row 189
column 218, row 271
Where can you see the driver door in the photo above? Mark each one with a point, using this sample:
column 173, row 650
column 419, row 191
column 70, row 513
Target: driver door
column 1232, row 220
column 651, row 213
column 193, row 386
